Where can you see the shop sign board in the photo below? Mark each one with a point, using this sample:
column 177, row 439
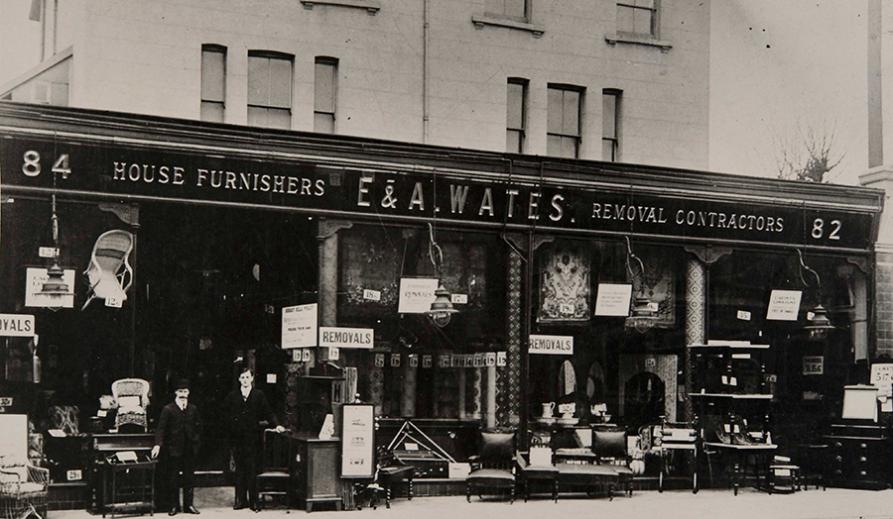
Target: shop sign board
column 613, row 299
column 416, row 295
column 551, row 345
column 34, row 280
column 356, row 338
column 299, row 326
column 16, row 325
column 158, row 169
column 784, row 305
column 813, row 364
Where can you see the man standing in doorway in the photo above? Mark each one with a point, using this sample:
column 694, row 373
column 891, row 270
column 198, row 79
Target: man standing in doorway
column 176, row 438
column 249, row 413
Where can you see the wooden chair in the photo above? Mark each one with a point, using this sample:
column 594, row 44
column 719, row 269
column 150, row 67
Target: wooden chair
column 273, row 480
column 494, row 468
column 611, row 450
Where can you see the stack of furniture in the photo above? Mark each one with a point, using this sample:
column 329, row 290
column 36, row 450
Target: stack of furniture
column 729, row 387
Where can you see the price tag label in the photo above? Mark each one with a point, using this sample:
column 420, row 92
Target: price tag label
column 74, row 475
column 371, row 295
column 114, row 302
column 459, row 299
column 743, row 315
column 48, row 252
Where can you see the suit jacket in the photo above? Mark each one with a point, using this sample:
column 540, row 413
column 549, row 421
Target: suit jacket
column 178, row 430
column 246, row 417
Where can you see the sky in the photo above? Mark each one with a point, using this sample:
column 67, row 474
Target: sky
column 783, row 68
column 779, row 69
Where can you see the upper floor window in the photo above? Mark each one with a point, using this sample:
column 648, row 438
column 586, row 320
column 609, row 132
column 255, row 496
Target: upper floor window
column 514, row 9
column 270, row 89
column 213, row 83
column 563, row 126
column 324, row 89
column 611, row 124
column 516, row 115
column 638, row 17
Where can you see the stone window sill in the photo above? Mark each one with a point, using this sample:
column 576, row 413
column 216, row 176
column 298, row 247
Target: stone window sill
column 635, row 39
column 480, row 20
column 371, row 6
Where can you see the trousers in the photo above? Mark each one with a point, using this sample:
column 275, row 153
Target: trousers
column 246, row 460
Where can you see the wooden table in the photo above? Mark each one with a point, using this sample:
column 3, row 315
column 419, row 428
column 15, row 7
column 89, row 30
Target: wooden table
column 740, row 454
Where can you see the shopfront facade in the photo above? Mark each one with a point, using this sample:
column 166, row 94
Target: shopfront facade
column 579, row 286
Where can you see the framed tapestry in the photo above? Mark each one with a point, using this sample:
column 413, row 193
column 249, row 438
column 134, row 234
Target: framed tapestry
column 565, row 289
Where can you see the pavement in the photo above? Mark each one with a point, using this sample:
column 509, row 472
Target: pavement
column 833, row 503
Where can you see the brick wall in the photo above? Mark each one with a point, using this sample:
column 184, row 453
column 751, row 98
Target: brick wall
column 884, row 303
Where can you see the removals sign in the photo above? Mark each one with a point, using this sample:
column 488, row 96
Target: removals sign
column 16, row 325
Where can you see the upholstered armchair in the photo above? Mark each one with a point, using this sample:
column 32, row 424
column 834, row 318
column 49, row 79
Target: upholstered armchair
column 132, row 396
column 610, row 448
column 493, row 469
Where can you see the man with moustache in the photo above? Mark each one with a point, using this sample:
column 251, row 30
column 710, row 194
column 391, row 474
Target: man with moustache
column 177, row 439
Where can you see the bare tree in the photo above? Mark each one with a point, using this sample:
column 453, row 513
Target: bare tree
column 807, row 155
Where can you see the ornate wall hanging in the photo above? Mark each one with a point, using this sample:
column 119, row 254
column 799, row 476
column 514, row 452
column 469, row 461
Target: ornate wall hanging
column 565, row 288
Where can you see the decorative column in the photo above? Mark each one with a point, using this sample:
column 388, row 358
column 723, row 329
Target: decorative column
column 696, row 308
column 327, row 236
column 509, row 384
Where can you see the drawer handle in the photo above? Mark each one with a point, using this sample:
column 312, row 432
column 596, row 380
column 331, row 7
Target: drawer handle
column 863, row 459
column 838, row 444
column 864, row 446
column 838, row 458
column 862, row 473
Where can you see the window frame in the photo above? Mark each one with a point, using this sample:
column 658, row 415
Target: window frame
column 333, row 63
column 270, row 108
column 525, row 18
column 617, row 95
column 578, row 137
column 655, row 9
column 213, row 48
column 522, row 130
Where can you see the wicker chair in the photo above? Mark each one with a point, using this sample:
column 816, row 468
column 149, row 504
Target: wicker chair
column 109, row 272
column 132, row 395
column 23, row 487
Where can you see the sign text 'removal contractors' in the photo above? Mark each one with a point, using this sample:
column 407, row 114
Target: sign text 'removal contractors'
column 115, row 169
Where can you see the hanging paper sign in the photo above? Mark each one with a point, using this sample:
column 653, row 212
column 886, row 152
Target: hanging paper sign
column 395, row 360
column 34, row 280
column 379, row 360
column 784, row 305
column 882, row 378
column 413, row 360
column 443, row 360
column 813, row 365
column 357, row 338
column 357, row 441
column 551, row 345
column 416, row 295
column 16, row 325
column 299, row 326
column 613, row 299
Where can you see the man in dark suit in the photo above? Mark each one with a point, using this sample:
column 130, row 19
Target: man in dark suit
column 249, row 413
column 176, row 439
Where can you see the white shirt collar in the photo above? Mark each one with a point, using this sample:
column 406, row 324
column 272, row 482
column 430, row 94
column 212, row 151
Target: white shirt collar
column 245, row 392
column 182, row 404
